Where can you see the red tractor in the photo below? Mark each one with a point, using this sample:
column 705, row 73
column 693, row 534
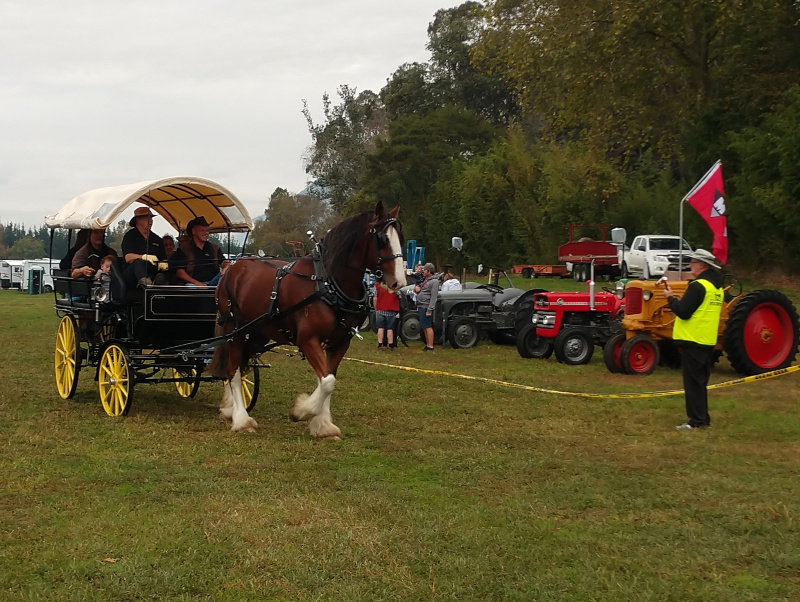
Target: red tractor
column 571, row 324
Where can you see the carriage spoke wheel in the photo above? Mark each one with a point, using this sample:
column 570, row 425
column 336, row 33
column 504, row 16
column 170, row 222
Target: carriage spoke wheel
column 67, row 357
column 251, row 383
column 189, row 386
column 115, row 381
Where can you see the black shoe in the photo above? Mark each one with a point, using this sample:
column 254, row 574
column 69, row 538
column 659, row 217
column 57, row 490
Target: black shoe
column 428, row 348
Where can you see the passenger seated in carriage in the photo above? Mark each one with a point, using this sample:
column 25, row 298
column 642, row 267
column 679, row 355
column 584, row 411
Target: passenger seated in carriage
column 88, row 258
column 80, row 240
column 198, row 262
column 143, row 250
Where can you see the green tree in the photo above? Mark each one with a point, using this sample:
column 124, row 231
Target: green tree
column 407, row 165
column 336, row 159
column 26, row 248
column 287, row 218
column 764, row 192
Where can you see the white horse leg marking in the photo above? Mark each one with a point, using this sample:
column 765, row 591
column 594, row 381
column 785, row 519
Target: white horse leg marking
column 306, row 406
column 241, row 420
column 321, row 425
column 226, row 405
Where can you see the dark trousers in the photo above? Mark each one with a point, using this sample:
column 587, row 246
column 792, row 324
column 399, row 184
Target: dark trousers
column 137, row 269
column 696, row 364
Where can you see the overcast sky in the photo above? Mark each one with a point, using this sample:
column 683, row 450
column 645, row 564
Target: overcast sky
column 99, row 93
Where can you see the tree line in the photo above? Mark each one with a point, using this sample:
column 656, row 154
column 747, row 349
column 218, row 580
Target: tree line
column 534, row 114
column 19, row 242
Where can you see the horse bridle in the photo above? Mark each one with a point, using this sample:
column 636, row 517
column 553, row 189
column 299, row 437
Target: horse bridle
column 382, row 240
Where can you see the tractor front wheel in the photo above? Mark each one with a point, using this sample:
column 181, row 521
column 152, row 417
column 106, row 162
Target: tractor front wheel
column 531, row 345
column 611, row 353
column 463, row 333
column 639, row 355
column 574, row 346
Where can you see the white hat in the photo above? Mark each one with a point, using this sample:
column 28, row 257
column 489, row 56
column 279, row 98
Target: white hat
column 705, row 257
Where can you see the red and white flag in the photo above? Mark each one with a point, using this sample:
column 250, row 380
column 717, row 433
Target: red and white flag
column 708, row 198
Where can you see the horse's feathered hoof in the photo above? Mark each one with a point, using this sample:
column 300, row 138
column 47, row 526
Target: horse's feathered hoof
column 248, row 426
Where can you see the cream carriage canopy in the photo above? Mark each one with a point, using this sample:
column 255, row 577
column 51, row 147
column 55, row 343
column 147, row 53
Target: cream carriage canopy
column 178, row 200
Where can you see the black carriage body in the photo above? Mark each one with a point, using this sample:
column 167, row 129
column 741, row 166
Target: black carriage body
column 175, row 315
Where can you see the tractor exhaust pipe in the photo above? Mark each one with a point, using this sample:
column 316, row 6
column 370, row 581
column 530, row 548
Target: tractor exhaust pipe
column 591, row 295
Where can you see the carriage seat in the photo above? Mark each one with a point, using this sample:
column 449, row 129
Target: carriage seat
column 506, row 295
column 72, row 292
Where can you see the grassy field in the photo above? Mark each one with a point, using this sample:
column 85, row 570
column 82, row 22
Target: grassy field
column 441, row 489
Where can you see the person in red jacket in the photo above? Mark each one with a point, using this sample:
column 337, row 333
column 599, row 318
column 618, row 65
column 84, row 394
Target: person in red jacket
column 387, row 308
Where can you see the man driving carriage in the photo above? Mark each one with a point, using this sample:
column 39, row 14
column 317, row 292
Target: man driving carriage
column 143, row 250
column 198, row 262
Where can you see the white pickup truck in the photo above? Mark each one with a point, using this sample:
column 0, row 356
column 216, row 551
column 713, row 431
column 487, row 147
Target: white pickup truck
column 652, row 255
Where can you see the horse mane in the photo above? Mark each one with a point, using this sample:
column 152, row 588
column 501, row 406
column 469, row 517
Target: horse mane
column 341, row 240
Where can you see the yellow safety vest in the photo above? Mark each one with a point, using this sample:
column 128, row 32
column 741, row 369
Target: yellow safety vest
column 703, row 325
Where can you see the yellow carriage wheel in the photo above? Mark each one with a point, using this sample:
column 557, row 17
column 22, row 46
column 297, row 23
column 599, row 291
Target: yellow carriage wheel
column 115, row 381
column 67, row 357
column 186, row 388
column 251, row 381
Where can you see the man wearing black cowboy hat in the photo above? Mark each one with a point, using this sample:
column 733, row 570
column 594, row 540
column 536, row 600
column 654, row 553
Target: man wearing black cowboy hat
column 695, row 332
column 198, row 262
column 143, row 250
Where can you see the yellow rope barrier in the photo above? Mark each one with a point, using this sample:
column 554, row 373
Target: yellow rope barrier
column 731, row 383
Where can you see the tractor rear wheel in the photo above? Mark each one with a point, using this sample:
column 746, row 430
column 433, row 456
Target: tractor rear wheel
column 530, row 345
column 524, row 309
column 639, row 355
column 611, row 353
column 574, row 346
column 761, row 333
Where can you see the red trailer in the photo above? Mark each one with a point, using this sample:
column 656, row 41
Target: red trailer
column 590, row 258
column 579, row 257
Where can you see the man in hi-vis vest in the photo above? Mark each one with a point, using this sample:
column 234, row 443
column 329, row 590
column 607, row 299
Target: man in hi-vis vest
column 695, row 333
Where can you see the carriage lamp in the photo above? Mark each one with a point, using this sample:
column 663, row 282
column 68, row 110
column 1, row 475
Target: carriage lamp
column 100, row 295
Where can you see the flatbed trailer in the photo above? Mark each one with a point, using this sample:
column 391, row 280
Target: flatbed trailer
column 529, row 270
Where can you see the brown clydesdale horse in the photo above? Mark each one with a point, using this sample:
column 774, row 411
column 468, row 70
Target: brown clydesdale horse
column 315, row 303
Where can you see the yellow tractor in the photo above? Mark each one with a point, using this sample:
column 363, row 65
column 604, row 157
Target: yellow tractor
column 758, row 331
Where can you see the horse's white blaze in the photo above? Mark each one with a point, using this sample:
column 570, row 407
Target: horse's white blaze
column 241, row 420
column 396, row 277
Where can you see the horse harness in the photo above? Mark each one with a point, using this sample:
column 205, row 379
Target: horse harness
column 327, row 290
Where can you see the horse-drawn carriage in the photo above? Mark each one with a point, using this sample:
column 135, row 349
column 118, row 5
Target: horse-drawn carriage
column 156, row 334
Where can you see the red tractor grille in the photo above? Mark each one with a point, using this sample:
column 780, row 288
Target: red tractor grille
column 633, row 301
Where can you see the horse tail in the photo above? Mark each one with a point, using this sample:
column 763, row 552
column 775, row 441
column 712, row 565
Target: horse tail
column 219, row 366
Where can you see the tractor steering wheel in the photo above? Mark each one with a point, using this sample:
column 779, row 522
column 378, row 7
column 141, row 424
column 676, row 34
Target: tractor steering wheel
column 731, row 285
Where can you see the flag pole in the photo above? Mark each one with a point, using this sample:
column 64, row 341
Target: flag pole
column 702, row 181
column 680, row 241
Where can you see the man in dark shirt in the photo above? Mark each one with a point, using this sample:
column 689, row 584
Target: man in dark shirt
column 143, row 250
column 696, row 332
column 198, row 262
column 87, row 259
